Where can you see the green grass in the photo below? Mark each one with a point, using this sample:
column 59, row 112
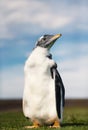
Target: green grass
column 74, row 119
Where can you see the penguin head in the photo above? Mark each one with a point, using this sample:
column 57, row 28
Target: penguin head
column 47, row 41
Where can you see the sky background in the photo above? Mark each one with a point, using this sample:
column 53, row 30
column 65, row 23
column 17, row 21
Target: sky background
column 22, row 22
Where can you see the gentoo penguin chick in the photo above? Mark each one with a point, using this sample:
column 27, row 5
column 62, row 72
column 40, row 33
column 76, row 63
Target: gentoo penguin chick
column 43, row 98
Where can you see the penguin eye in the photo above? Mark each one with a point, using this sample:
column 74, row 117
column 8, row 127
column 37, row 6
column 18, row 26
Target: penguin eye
column 44, row 38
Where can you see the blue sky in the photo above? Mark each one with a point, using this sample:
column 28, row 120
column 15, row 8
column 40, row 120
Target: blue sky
column 22, row 22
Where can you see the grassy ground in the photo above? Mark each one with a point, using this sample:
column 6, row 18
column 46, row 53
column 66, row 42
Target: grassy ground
column 74, row 119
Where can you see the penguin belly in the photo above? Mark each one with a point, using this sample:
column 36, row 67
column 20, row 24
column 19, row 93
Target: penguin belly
column 39, row 101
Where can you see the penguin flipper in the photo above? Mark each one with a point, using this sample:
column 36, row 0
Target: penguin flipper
column 59, row 91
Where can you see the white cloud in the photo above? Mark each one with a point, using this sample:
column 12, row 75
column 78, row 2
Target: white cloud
column 18, row 16
column 36, row 12
column 12, row 82
column 70, row 49
column 75, row 77
column 83, row 26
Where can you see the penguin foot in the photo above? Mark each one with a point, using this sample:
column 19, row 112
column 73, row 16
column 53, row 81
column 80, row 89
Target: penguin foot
column 31, row 127
column 56, row 124
column 35, row 125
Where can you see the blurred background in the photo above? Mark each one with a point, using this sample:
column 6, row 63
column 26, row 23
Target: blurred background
column 22, row 22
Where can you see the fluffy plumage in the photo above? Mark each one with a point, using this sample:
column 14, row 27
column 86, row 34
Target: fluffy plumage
column 44, row 91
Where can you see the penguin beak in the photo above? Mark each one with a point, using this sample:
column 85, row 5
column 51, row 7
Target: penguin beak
column 52, row 40
column 55, row 37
